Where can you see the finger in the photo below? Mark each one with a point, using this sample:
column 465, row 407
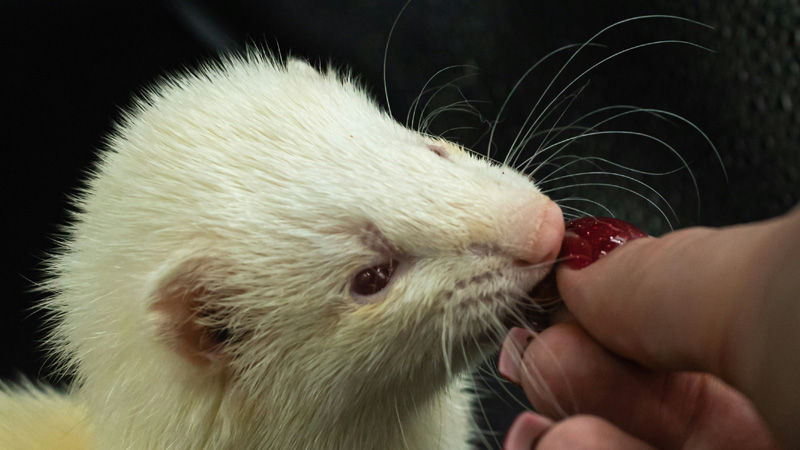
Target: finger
column 588, row 433
column 684, row 302
column 527, row 428
column 566, row 372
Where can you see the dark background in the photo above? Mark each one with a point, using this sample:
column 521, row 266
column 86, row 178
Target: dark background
column 70, row 66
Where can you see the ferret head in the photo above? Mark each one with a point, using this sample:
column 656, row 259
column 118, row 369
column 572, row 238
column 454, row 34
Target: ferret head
column 262, row 249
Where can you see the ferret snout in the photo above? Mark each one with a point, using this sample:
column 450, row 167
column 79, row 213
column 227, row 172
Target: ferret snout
column 536, row 232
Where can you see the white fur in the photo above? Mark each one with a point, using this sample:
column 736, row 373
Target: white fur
column 256, row 191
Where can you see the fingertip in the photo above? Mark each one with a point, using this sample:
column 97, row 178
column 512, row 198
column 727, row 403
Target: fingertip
column 525, row 431
column 547, row 375
column 574, row 285
column 565, row 275
column 605, row 280
column 590, row 433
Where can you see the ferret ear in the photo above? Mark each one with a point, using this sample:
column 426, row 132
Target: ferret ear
column 192, row 313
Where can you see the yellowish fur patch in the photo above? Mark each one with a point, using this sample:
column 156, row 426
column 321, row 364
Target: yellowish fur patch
column 34, row 418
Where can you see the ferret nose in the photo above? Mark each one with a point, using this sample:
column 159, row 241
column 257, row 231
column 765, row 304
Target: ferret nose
column 536, row 233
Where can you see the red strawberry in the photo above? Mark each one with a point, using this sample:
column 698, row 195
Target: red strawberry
column 588, row 238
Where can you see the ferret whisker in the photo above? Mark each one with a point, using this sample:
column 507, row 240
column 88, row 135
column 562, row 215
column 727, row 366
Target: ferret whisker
column 443, row 134
column 474, row 387
column 486, row 371
column 400, row 424
column 568, row 141
column 536, row 378
column 457, row 106
column 436, row 91
column 651, row 202
column 612, row 56
column 386, row 55
column 594, row 160
column 482, row 156
column 659, row 114
column 541, row 386
column 574, row 125
column 540, row 265
column 441, row 421
column 581, row 212
column 497, row 330
column 559, row 130
column 412, row 111
column 446, row 337
column 515, row 148
column 416, row 413
column 427, row 117
column 591, row 160
column 465, row 106
column 593, row 131
column 523, row 142
column 629, row 110
column 516, row 86
column 697, row 129
column 479, row 403
column 503, row 384
column 573, row 159
column 552, row 162
column 623, row 176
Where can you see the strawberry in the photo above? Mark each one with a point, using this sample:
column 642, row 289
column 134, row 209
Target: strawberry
column 589, row 238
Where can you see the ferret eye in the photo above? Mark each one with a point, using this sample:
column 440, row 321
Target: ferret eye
column 373, row 280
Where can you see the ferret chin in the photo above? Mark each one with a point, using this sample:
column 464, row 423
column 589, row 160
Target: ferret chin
column 265, row 259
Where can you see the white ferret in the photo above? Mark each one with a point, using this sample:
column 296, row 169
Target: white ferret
column 265, row 260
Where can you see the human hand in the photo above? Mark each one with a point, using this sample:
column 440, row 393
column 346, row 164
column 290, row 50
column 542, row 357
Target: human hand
column 715, row 302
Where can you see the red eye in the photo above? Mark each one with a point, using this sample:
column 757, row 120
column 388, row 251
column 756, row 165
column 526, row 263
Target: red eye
column 373, row 280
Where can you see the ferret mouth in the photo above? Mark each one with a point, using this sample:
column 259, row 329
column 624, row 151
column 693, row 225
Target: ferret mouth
column 536, row 314
column 532, row 311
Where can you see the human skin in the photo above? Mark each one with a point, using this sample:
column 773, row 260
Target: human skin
column 686, row 341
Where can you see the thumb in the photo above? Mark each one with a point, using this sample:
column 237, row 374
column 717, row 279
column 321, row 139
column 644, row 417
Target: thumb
column 672, row 302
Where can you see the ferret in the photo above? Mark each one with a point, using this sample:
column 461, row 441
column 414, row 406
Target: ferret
column 264, row 259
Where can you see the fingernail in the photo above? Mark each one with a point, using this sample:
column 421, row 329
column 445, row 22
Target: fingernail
column 510, row 360
column 527, row 428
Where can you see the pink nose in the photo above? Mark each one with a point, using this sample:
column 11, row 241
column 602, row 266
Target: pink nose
column 536, row 233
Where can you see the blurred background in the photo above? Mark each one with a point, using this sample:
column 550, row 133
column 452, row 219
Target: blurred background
column 70, row 67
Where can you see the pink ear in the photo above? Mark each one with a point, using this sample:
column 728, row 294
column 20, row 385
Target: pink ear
column 190, row 319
